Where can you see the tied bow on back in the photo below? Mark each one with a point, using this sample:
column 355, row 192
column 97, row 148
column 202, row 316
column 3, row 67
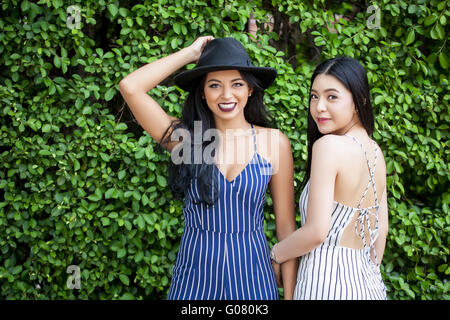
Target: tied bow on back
column 363, row 220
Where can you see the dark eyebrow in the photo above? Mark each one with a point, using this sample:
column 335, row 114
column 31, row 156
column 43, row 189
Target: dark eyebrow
column 237, row 79
column 327, row 90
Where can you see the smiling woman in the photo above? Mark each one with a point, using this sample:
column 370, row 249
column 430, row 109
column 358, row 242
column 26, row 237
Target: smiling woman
column 223, row 251
column 228, row 91
column 332, row 106
column 344, row 203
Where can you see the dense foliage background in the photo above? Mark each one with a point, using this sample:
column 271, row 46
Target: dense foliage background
column 83, row 185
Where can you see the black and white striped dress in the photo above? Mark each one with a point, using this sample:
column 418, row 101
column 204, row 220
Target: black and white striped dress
column 334, row 272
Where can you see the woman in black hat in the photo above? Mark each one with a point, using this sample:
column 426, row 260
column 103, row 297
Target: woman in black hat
column 224, row 155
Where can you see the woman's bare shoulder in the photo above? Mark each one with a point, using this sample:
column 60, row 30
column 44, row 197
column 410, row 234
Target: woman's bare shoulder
column 267, row 136
column 333, row 143
column 272, row 144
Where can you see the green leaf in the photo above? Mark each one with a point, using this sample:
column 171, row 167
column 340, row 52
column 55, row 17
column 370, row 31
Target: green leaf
column 46, row 128
column 111, row 193
column 184, row 30
column 45, row 153
column 127, row 296
column 137, row 195
column 144, row 199
column 121, row 126
column 112, row 8
column 138, row 257
column 140, row 222
column 57, row 61
column 110, row 94
column 87, row 110
column 76, row 165
column 174, row 43
column 140, row 153
column 430, row 20
column 177, row 28
column 97, row 196
column 410, row 38
column 124, row 278
column 161, row 181
column 121, row 174
column 440, row 31
column 105, row 221
column 104, row 156
column 25, row 5
column 57, row 3
column 443, row 60
column 379, row 99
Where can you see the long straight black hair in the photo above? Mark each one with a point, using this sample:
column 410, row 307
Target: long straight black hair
column 353, row 76
column 196, row 109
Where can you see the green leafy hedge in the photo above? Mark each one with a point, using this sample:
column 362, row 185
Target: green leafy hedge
column 83, row 185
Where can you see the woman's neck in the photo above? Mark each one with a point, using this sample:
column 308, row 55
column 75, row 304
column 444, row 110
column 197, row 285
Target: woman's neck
column 357, row 130
column 231, row 125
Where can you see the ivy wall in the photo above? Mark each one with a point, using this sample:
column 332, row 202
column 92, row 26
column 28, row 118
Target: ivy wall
column 82, row 185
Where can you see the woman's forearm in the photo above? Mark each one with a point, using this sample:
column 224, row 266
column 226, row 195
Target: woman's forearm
column 289, row 276
column 289, row 268
column 150, row 75
column 297, row 244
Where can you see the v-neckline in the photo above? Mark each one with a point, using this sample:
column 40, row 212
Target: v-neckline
column 240, row 173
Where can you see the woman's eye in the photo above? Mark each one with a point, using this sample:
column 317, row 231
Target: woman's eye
column 214, row 85
column 313, row 97
column 238, row 84
column 331, row 97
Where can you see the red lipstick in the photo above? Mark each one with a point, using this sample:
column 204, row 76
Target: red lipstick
column 322, row 120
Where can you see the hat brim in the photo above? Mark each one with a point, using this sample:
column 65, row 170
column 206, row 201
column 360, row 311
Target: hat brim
column 187, row 79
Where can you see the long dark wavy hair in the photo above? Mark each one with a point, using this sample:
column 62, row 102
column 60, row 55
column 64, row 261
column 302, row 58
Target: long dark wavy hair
column 195, row 109
column 353, row 76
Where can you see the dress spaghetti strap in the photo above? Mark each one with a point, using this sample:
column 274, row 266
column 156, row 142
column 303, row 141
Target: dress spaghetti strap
column 254, row 138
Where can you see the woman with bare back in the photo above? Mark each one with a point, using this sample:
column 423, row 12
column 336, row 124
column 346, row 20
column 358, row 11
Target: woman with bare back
column 343, row 205
column 223, row 252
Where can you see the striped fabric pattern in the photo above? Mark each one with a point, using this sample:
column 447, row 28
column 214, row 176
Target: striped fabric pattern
column 223, row 252
column 334, row 272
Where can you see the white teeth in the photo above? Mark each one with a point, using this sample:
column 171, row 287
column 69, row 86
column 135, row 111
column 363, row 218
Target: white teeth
column 227, row 105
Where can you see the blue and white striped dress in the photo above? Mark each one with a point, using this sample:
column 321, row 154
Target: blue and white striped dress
column 334, row 272
column 223, row 251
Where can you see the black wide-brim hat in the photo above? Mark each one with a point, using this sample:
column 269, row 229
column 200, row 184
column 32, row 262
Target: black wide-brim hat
column 224, row 54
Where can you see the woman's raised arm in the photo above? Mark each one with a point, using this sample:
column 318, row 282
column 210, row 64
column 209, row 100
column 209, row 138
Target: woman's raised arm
column 134, row 88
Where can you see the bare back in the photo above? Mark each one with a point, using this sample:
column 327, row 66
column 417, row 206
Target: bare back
column 362, row 162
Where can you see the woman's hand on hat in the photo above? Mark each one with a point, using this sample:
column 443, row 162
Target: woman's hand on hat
column 197, row 46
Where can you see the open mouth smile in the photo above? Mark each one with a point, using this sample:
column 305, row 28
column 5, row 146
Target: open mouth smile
column 227, row 107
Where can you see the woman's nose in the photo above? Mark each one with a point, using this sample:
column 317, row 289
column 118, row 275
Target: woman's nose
column 321, row 105
column 226, row 93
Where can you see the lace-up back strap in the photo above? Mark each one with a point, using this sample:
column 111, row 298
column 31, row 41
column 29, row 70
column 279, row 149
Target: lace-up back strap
column 364, row 213
column 371, row 172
